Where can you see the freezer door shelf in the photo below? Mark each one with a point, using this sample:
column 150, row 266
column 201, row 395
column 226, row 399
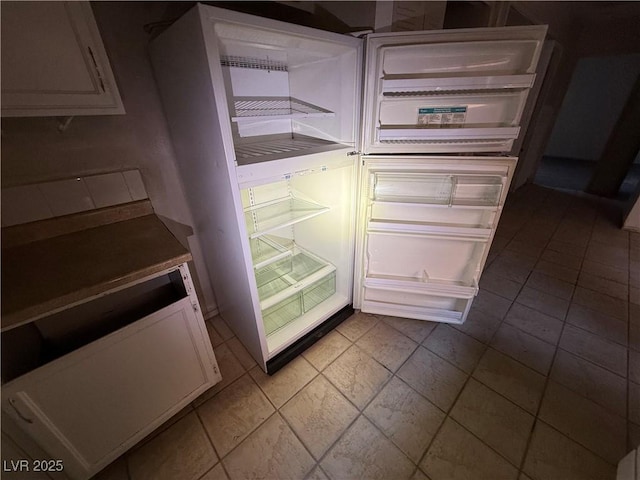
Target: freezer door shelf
column 408, row 84
column 446, row 304
column 418, row 134
column 454, row 116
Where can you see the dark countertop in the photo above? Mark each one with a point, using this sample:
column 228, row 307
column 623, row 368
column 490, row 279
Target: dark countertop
column 50, row 274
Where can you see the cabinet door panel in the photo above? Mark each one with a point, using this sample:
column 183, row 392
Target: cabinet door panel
column 53, row 61
column 87, row 406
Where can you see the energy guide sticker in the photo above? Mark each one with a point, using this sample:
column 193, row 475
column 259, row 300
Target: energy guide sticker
column 446, row 117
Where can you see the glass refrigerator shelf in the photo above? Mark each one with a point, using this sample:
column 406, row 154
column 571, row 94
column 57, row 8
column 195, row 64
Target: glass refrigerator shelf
column 265, row 218
column 268, row 249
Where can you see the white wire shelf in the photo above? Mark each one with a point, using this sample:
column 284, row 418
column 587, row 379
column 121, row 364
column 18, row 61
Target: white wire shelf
column 275, row 108
column 265, row 148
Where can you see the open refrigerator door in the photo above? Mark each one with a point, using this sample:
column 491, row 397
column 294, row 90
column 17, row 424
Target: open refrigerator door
column 427, row 219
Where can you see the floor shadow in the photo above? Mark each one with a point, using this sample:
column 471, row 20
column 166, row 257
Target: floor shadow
column 573, row 175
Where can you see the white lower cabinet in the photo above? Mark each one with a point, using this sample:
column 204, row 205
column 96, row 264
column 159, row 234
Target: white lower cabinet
column 87, row 391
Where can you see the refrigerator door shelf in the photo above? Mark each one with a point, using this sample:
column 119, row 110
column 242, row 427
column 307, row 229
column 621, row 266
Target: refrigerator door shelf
column 417, row 85
column 464, row 190
column 265, row 218
column 451, row 112
column 392, row 227
column 473, row 57
column 433, row 304
column 442, row 216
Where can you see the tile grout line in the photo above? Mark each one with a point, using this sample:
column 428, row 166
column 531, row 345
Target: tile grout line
column 520, row 467
column 547, row 377
column 470, row 375
column 373, row 397
column 206, row 432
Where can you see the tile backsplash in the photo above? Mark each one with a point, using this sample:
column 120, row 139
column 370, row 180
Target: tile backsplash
column 28, row 203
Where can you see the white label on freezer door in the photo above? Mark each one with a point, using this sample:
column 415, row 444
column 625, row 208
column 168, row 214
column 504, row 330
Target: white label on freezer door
column 447, row 117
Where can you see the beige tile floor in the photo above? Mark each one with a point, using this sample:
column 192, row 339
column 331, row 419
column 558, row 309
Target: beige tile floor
column 541, row 382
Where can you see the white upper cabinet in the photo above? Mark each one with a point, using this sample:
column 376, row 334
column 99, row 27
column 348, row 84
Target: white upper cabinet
column 54, row 62
column 448, row 91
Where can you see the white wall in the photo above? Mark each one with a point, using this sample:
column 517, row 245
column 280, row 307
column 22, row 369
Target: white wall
column 597, row 93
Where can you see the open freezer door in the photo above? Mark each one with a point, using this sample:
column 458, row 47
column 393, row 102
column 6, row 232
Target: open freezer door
column 448, row 91
column 424, row 233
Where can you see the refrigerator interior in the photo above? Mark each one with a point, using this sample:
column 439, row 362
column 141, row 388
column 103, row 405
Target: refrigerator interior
column 300, row 232
column 450, row 94
column 287, row 94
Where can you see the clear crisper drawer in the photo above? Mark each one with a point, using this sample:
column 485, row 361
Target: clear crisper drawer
column 310, row 282
column 264, row 218
column 318, row 292
column 282, row 313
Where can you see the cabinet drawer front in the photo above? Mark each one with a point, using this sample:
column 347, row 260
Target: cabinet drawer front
column 95, row 400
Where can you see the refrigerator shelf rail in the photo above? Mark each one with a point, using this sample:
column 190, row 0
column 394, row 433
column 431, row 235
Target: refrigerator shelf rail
column 275, row 108
column 388, row 133
column 265, row 218
column 417, row 84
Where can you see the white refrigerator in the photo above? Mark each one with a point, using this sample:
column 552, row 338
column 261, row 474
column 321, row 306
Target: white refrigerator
column 326, row 172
